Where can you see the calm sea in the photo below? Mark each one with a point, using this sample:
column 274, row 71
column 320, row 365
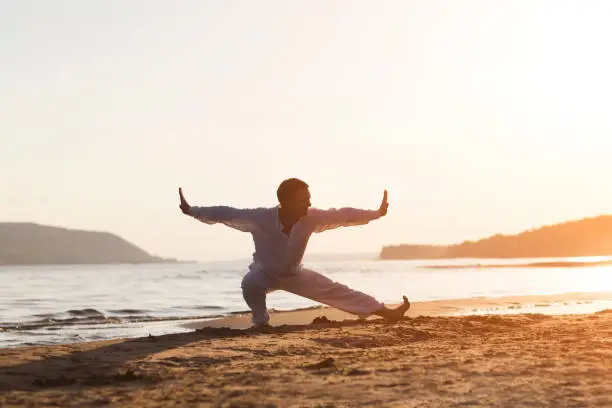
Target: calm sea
column 61, row 304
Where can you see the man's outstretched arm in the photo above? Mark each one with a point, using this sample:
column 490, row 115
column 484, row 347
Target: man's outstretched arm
column 240, row 219
column 344, row 217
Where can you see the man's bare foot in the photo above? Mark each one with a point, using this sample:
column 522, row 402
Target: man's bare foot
column 394, row 314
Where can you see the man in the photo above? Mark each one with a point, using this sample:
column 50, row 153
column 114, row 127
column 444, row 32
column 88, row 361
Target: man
column 280, row 235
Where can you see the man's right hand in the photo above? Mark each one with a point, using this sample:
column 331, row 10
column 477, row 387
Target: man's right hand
column 184, row 206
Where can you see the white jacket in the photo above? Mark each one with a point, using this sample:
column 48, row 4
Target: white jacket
column 277, row 253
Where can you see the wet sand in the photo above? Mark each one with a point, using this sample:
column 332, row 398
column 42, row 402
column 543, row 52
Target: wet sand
column 425, row 360
column 574, row 303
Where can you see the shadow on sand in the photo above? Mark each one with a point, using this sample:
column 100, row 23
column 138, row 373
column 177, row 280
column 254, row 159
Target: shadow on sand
column 101, row 363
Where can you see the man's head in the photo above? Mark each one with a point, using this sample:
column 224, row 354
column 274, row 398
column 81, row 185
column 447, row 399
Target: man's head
column 294, row 197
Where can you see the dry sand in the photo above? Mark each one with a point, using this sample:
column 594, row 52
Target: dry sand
column 521, row 360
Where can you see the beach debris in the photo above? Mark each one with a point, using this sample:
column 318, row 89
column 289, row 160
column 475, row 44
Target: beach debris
column 356, row 371
column 129, row 375
column 321, row 319
column 126, row 376
column 53, row 382
column 327, row 363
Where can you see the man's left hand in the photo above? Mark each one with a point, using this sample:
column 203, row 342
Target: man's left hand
column 384, row 205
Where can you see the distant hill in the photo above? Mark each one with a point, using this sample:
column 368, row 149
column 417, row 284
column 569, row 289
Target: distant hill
column 586, row 237
column 34, row 244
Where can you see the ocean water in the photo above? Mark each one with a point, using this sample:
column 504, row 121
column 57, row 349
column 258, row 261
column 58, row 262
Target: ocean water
column 62, row 304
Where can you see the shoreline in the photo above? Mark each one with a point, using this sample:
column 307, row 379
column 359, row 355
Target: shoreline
column 424, row 360
column 548, row 304
column 437, row 308
column 551, row 264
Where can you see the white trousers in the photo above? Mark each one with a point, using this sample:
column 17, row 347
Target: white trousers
column 309, row 284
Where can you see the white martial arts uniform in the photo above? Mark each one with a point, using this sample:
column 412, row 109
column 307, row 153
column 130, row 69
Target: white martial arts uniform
column 278, row 256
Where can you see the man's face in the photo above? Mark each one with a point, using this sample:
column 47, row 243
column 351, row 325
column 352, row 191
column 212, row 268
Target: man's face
column 299, row 203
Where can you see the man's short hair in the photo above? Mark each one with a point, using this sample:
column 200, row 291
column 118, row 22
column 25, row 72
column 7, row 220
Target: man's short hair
column 288, row 188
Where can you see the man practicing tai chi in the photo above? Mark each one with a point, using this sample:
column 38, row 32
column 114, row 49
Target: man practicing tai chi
column 280, row 235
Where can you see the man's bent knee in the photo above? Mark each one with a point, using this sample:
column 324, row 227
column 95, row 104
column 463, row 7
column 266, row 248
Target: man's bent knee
column 253, row 282
column 254, row 288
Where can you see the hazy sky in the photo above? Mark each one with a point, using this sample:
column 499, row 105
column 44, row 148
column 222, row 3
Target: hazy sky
column 478, row 116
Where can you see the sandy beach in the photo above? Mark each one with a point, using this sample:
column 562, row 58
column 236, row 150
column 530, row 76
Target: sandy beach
column 429, row 359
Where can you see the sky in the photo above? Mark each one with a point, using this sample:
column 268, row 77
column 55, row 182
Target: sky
column 479, row 117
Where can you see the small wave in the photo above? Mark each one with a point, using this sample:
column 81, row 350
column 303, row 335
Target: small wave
column 85, row 312
column 242, row 312
column 370, row 270
column 298, row 309
column 44, row 315
column 129, row 311
column 54, row 324
column 207, row 307
column 185, row 276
